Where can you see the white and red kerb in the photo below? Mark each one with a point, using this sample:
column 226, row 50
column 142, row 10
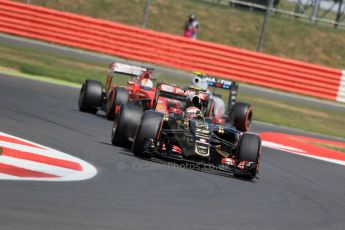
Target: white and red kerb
column 304, row 146
column 24, row 160
column 341, row 89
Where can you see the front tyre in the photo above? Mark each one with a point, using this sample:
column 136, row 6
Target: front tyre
column 249, row 153
column 90, row 96
column 149, row 129
column 126, row 124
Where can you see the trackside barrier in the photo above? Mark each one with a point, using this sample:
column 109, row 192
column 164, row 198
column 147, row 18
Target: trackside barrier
column 170, row 50
column 341, row 90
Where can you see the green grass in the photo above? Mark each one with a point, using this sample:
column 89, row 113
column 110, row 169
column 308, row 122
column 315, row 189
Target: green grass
column 297, row 115
column 285, row 37
column 38, row 63
column 269, row 110
column 61, row 67
column 288, row 6
column 333, row 147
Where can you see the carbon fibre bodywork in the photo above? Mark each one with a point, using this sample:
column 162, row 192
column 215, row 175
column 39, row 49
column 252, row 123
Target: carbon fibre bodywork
column 201, row 143
column 170, row 133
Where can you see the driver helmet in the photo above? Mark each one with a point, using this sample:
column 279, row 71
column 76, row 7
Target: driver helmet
column 193, row 112
column 200, row 82
column 146, row 84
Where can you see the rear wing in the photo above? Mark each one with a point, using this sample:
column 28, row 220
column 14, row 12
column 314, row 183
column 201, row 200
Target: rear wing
column 171, row 92
column 131, row 70
column 219, row 83
column 232, row 86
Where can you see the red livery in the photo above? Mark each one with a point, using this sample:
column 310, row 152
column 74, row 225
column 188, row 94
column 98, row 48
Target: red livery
column 139, row 89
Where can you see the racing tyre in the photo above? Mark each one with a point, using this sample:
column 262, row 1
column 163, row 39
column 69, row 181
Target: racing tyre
column 249, row 151
column 148, row 130
column 126, row 124
column 118, row 96
column 242, row 115
column 90, row 96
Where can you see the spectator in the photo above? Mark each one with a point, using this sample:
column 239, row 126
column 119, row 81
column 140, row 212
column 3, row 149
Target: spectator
column 190, row 27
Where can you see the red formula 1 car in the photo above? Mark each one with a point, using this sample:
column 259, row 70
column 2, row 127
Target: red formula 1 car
column 128, row 117
column 139, row 89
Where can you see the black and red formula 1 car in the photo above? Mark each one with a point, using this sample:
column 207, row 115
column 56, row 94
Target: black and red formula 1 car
column 176, row 129
column 239, row 114
column 139, row 89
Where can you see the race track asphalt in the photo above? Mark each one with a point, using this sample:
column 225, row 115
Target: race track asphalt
column 293, row 192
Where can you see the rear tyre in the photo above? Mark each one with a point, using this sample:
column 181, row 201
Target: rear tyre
column 126, row 124
column 90, row 96
column 118, row 96
column 149, row 129
column 249, row 151
column 242, row 115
